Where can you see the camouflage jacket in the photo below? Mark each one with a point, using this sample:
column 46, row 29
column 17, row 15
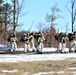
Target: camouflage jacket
column 13, row 39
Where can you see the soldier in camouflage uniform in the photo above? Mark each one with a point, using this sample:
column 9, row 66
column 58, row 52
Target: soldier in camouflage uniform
column 58, row 37
column 26, row 42
column 13, row 42
column 62, row 38
column 73, row 42
column 63, row 41
column 32, row 41
column 40, row 41
column 59, row 42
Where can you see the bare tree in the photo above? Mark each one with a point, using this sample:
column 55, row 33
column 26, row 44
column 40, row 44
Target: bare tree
column 51, row 18
column 17, row 8
column 41, row 26
column 66, row 27
column 72, row 12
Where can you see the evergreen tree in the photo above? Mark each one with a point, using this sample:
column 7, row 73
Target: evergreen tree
column 1, row 10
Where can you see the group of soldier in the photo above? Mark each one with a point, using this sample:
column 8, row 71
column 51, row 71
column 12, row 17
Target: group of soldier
column 32, row 41
column 63, row 38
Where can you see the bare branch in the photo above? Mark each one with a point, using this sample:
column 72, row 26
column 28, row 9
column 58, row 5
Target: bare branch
column 69, row 10
column 51, row 18
column 72, row 12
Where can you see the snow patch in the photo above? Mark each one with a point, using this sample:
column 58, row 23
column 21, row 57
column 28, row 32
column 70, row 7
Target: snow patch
column 40, row 73
column 60, row 72
column 52, row 72
column 49, row 49
column 9, row 71
column 72, row 68
column 4, row 47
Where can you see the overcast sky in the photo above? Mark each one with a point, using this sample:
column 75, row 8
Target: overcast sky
column 37, row 10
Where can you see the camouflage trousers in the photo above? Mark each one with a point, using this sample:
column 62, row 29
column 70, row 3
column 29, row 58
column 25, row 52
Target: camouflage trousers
column 73, row 46
column 62, row 47
column 13, row 46
column 40, row 47
column 26, row 47
column 32, row 46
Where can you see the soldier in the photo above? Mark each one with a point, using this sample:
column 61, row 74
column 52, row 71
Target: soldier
column 63, row 41
column 32, row 41
column 73, row 43
column 62, row 38
column 70, row 36
column 58, row 38
column 13, row 41
column 26, row 42
column 40, row 41
column 59, row 42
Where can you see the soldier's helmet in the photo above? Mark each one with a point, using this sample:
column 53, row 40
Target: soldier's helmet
column 12, row 35
column 39, row 32
column 24, row 34
column 32, row 33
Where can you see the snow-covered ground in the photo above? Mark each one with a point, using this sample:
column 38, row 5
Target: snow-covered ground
column 27, row 57
column 34, row 57
column 48, row 49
